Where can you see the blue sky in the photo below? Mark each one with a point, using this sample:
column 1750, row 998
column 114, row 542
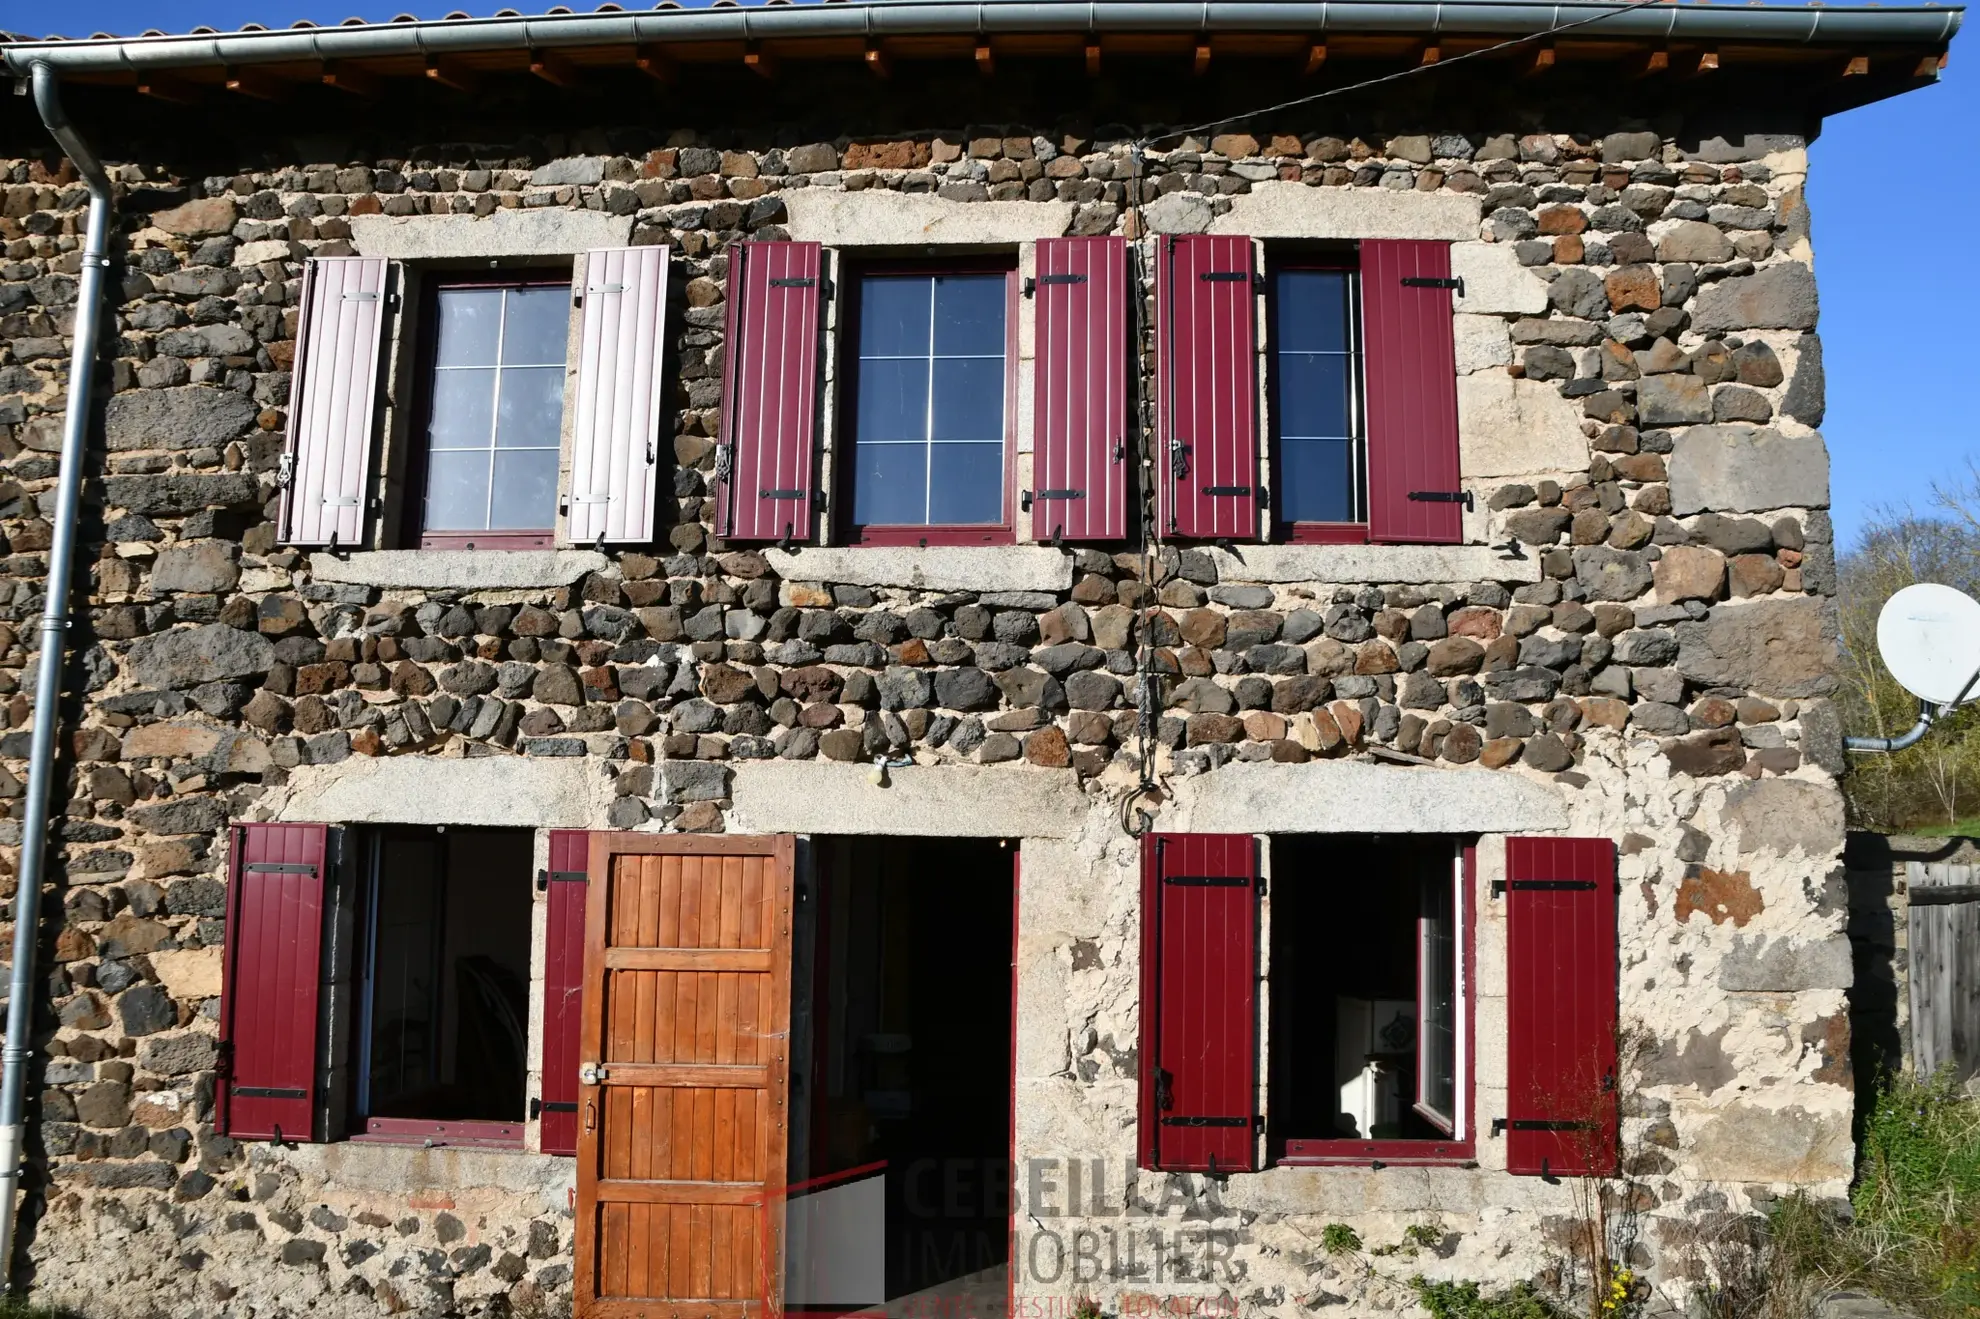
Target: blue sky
column 1891, row 207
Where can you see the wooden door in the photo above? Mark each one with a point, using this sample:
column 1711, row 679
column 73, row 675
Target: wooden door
column 684, row 1077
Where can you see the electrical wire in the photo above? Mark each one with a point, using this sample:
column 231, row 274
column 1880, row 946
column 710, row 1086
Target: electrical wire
column 1405, row 73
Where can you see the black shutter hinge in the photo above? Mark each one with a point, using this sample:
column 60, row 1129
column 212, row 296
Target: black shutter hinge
column 1500, row 1124
column 794, row 282
column 1031, row 285
column 1225, row 276
column 537, row 1108
column 1444, row 497
column 1431, row 282
column 1025, row 497
column 545, row 878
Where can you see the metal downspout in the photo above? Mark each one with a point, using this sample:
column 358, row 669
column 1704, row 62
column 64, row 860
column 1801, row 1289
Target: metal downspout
column 54, row 629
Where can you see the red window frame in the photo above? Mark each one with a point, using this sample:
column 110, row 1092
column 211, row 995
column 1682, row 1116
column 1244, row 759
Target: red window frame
column 851, row 533
column 413, row 511
column 1316, row 533
column 1419, row 1153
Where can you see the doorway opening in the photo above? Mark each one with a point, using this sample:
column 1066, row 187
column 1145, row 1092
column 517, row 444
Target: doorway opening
column 443, row 960
column 908, row 1089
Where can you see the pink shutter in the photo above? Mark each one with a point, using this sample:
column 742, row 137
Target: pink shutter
column 615, row 433
column 1206, row 387
column 1561, row 977
column 1411, row 365
column 769, row 392
column 1199, row 1009
column 1080, row 412
column 563, row 989
column 333, row 396
column 268, row 1006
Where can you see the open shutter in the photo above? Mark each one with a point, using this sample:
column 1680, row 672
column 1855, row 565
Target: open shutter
column 268, row 1005
column 1206, row 387
column 684, row 1080
column 563, row 989
column 1080, row 412
column 1561, row 1006
column 1199, row 1013
column 1411, row 362
column 615, row 434
column 333, row 395
column 769, row 392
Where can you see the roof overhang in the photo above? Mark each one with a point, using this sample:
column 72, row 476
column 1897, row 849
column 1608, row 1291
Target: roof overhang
column 1902, row 45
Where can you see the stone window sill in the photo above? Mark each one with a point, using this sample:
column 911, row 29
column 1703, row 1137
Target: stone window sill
column 457, row 570
column 1355, row 565
column 934, row 568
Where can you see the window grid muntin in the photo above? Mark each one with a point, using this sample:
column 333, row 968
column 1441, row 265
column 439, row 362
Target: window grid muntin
column 928, row 441
column 496, row 367
column 1357, row 411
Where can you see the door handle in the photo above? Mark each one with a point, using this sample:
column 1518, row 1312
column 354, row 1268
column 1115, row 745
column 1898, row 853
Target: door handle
column 592, row 1073
column 590, row 1115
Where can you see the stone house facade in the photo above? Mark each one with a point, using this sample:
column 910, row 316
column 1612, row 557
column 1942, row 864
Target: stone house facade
column 876, row 525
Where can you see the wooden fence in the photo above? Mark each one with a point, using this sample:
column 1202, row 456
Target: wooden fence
column 1943, row 933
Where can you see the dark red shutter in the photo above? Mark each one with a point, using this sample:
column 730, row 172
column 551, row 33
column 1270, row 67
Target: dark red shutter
column 1199, row 1012
column 1561, row 1006
column 1206, row 409
column 563, row 989
column 268, row 1009
column 1080, row 414
column 769, row 392
column 1411, row 364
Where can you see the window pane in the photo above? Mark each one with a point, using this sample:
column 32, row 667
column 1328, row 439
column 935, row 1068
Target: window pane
column 893, row 400
column 457, row 490
column 969, row 399
column 525, row 490
column 470, row 324
column 893, row 315
column 1313, row 396
column 1316, row 481
column 969, row 315
column 463, row 409
column 1437, row 1006
column 531, row 411
column 966, row 483
column 1311, row 311
column 537, row 327
column 890, row 484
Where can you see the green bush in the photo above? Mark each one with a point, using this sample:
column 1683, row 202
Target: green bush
column 1914, row 1237
column 1464, row 1300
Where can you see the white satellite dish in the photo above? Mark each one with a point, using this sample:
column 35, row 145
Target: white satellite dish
column 1929, row 636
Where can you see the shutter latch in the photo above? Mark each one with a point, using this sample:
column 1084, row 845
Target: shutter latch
column 1178, row 458
column 1444, row 497
column 285, row 471
column 722, row 461
column 1431, row 282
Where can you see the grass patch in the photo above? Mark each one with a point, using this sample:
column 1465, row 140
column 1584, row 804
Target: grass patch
column 1967, row 828
column 13, row 1307
column 1914, row 1238
column 1465, row 1300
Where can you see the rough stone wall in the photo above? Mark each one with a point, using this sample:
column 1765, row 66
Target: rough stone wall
column 1640, row 380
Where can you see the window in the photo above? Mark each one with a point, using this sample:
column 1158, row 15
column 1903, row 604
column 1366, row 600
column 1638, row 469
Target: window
column 1315, row 379
column 926, row 412
column 1369, row 1047
column 493, row 423
column 443, row 976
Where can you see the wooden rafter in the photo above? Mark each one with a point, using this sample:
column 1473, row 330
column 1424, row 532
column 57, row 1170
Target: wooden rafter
column 986, row 59
column 255, row 83
column 1316, row 58
column 553, row 68
column 448, row 73
column 1201, row 64
column 878, row 63
column 654, row 62
column 166, row 87
column 1092, row 59
column 759, row 61
column 350, row 78
column 1538, row 60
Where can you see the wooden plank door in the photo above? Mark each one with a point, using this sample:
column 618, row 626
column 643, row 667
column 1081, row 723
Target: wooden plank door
column 684, row 1077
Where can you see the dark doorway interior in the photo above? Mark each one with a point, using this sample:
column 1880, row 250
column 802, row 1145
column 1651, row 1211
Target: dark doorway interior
column 911, row 1057
column 444, row 955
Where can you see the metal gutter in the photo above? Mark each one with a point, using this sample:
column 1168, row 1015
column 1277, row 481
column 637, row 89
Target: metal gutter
column 88, row 327
column 1855, row 27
